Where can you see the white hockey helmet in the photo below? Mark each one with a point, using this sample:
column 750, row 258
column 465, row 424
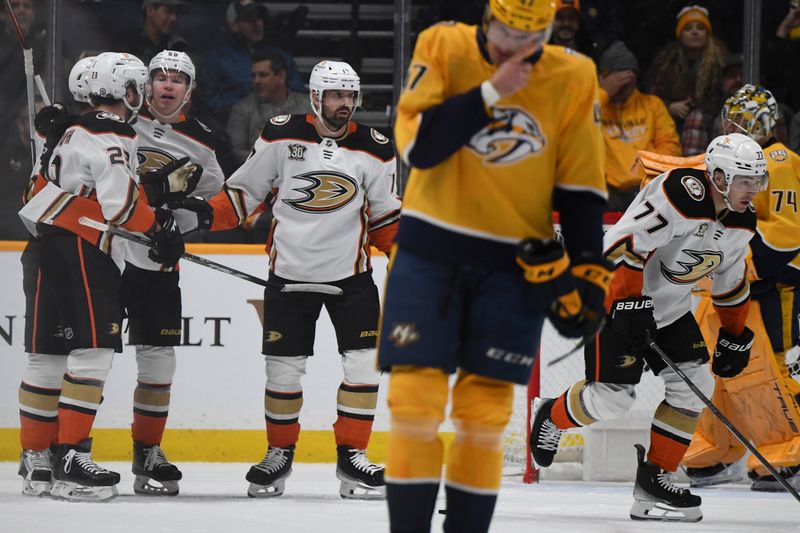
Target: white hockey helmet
column 165, row 61
column 752, row 110
column 113, row 73
column 737, row 156
column 332, row 75
column 78, row 85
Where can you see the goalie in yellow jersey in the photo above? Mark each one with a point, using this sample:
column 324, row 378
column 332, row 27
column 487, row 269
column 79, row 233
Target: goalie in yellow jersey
column 500, row 129
column 764, row 400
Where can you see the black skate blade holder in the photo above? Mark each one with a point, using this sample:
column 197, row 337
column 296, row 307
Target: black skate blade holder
column 722, row 418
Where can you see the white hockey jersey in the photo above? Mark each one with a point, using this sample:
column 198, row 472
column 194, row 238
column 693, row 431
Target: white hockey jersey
column 327, row 194
column 160, row 144
column 670, row 237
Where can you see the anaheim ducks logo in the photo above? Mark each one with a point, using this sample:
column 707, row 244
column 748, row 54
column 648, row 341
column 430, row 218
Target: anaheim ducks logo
column 327, row 191
column 704, row 262
column 511, row 136
column 152, row 159
column 626, row 361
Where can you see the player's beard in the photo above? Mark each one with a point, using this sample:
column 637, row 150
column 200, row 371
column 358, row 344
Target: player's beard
column 336, row 121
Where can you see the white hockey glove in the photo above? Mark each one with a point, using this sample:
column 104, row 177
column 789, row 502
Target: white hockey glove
column 793, row 362
column 171, row 182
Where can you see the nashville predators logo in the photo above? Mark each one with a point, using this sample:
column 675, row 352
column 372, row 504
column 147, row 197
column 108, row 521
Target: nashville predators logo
column 779, row 155
column 152, row 159
column 626, row 361
column 511, row 136
column 327, row 191
column 702, row 264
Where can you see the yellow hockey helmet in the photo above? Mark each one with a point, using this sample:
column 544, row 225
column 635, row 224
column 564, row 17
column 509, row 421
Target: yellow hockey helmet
column 523, row 15
column 753, row 110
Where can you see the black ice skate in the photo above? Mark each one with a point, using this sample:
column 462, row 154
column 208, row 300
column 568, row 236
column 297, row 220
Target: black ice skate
column 769, row 484
column 36, row 469
column 658, row 498
column 717, row 474
column 361, row 479
column 155, row 476
column 268, row 478
column 545, row 436
column 76, row 477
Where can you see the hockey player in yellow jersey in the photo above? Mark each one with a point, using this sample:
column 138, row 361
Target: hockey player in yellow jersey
column 762, row 401
column 500, row 130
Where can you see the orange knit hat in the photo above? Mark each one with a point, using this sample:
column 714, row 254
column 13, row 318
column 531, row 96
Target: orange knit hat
column 692, row 14
column 563, row 4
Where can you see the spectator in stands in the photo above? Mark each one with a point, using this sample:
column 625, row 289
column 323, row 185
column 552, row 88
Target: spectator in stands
column 13, row 86
column 778, row 56
column 158, row 22
column 601, row 24
column 226, row 74
column 794, row 133
column 686, row 73
column 270, row 97
column 567, row 31
column 631, row 121
column 15, row 172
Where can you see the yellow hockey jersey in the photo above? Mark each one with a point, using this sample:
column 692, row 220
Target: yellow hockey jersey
column 498, row 187
column 777, row 208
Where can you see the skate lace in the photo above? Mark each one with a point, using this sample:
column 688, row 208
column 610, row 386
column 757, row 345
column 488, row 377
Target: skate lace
column 665, row 480
column 273, row 461
column 38, row 459
column 155, row 457
column 550, row 436
column 359, row 461
column 84, row 460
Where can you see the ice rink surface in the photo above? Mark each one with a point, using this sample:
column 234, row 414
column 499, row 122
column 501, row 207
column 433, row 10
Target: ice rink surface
column 213, row 500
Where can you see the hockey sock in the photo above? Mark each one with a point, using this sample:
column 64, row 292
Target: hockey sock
column 415, row 451
column 355, row 405
column 150, row 410
column 670, row 435
column 567, row 411
column 282, row 413
column 38, row 416
column 468, row 512
column 77, row 407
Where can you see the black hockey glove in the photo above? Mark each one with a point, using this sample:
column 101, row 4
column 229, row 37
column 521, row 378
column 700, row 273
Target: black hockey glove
column 167, row 241
column 171, row 182
column 577, row 290
column 200, row 207
column 51, row 122
column 631, row 318
column 732, row 353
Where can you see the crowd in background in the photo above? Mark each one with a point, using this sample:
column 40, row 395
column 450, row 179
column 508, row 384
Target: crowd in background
column 664, row 68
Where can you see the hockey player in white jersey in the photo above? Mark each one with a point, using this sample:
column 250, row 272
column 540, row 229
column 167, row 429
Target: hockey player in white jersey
column 332, row 186
column 684, row 225
column 93, row 169
column 150, row 292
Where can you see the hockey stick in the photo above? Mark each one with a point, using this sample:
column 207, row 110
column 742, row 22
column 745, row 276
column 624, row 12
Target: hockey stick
column 580, row 344
column 219, row 267
column 722, row 418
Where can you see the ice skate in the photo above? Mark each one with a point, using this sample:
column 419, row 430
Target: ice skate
column 717, row 474
column 268, row 478
column 769, row 484
column 545, row 436
column 76, row 477
column 361, row 479
column 658, row 498
column 155, row 476
column 36, row 469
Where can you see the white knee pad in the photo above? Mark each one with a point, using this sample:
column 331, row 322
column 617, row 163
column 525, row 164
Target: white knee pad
column 360, row 367
column 678, row 394
column 156, row 364
column 284, row 373
column 90, row 363
column 604, row 401
column 45, row 371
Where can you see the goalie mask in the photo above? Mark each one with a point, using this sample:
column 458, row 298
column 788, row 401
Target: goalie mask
column 111, row 76
column 752, row 110
column 332, row 76
column 170, row 61
column 741, row 161
column 78, row 84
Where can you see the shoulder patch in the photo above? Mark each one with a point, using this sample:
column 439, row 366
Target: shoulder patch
column 779, row 155
column 280, row 120
column 198, row 131
column 379, row 137
column 693, row 186
column 105, row 115
column 686, row 190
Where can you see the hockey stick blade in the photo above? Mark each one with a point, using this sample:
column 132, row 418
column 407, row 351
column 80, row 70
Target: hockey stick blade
column 722, row 418
column 202, row 261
